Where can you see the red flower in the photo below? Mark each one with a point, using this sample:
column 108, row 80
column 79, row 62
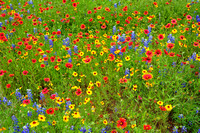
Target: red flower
column 78, row 92
column 121, row 123
column 45, row 91
column 64, row 1
column 147, row 76
column 69, row 65
column 82, row 26
column 147, row 127
column 8, row 86
column 166, row 52
column 1, row 73
column 74, row 5
column 27, row 101
column 188, row 17
column 160, row 37
column 111, row 57
column 34, row 60
column 170, row 45
column 149, row 53
column 158, row 52
column 53, row 96
column 105, row 78
column 146, row 31
column 25, row 72
column 173, row 21
column 50, row 111
column 123, row 49
column 46, row 79
column 114, row 131
column 162, row 108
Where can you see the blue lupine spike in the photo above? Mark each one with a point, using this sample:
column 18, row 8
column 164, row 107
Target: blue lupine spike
column 76, row 49
column 51, row 43
column 1, row 24
column 39, row 19
column 69, row 60
column 6, row 22
column 46, row 37
column 69, row 52
column 114, row 29
column 115, row 5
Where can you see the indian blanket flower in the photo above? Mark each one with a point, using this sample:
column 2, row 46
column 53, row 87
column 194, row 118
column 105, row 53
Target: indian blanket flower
column 121, row 123
column 41, row 117
column 147, row 76
column 169, row 107
column 69, row 65
column 27, row 101
column 34, row 123
column 147, row 127
column 50, row 111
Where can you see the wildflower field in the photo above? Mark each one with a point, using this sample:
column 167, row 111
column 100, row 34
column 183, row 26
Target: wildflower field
column 100, row 66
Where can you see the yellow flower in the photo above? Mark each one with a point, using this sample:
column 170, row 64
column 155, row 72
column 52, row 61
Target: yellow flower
column 41, row 117
column 71, row 106
column 82, row 121
column 34, row 123
column 98, row 17
column 65, row 118
column 94, row 73
column 144, row 71
column 102, row 103
column 127, row 58
column 81, row 53
column 160, row 103
column 93, row 52
column 93, row 109
column 76, row 114
column 87, row 99
column 135, row 87
column 133, row 126
column 105, row 122
column 89, row 92
column 168, row 107
column 174, row 31
column 75, row 74
column 53, row 122
column 101, row 53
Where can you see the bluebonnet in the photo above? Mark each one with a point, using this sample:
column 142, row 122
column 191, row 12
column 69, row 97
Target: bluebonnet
column 183, row 129
column 115, row 5
column 30, row 96
column 10, row 19
column 180, row 116
column 72, row 128
column 127, row 72
column 40, row 19
column 66, row 41
column 83, row 129
column 28, row 11
column 133, row 36
column 69, row 60
column 114, row 29
column 34, row 30
column 76, row 49
column 41, row 96
column 30, row 2
column 26, row 128
column 1, row 24
column 69, row 52
column 46, row 37
column 13, row 45
column 146, row 43
column 67, row 104
column 175, row 130
column 29, row 113
column 16, row 127
column 51, row 43
column 6, row 22
column 9, row 103
column 4, row 100
column 198, row 130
